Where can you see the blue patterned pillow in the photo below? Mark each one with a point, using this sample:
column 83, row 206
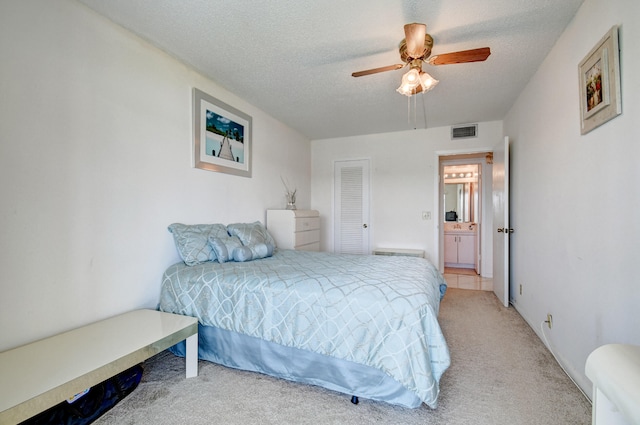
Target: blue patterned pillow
column 251, row 233
column 224, row 247
column 253, row 252
column 192, row 241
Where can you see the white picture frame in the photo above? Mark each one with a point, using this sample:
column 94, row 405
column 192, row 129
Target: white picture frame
column 222, row 136
column 599, row 83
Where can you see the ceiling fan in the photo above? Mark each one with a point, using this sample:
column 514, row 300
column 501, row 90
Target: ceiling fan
column 415, row 49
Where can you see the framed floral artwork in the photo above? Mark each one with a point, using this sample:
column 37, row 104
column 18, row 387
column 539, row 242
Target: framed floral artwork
column 599, row 77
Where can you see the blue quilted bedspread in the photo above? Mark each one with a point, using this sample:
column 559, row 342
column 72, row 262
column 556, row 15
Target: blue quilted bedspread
column 380, row 311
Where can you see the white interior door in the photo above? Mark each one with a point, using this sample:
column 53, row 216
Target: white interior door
column 501, row 221
column 351, row 207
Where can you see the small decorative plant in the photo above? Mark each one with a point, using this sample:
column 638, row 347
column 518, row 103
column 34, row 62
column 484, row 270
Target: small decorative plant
column 290, row 195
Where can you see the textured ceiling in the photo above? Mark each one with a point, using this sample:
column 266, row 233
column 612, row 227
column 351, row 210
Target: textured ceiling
column 294, row 58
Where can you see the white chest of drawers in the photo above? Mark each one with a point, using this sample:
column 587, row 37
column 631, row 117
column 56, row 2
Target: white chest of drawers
column 295, row 229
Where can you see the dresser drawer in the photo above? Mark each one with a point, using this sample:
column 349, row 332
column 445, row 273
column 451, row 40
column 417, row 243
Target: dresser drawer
column 295, row 229
column 304, row 238
column 307, row 223
column 310, row 247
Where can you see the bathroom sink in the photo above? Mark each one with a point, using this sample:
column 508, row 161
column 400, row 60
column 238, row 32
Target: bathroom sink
column 460, row 227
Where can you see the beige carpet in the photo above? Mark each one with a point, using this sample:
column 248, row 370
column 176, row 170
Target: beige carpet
column 501, row 373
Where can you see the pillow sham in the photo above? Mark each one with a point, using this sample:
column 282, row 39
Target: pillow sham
column 224, row 247
column 251, row 233
column 253, row 252
column 192, row 241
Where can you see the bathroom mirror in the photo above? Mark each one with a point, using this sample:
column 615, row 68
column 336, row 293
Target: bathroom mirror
column 461, row 193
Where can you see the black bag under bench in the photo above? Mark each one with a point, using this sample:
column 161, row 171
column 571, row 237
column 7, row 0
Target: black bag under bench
column 90, row 406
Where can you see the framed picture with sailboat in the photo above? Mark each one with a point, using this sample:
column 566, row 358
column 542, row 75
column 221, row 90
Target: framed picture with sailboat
column 221, row 136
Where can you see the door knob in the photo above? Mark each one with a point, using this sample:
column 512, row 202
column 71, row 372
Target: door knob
column 364, row 226
column 510, row 230
column 500, row 229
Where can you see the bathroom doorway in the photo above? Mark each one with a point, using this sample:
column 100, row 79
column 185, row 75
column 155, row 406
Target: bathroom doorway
column 466, row 214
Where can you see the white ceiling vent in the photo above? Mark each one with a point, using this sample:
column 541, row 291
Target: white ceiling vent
column 464, row 131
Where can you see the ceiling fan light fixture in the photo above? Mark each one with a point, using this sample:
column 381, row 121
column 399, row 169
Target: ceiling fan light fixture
column 412, row 77
column 410, row 82
column 423, row 84
column 427, row 82
column 406, row 90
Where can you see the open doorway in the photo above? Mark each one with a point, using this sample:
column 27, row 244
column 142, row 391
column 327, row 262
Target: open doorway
column 462, row 206
column 464, row 199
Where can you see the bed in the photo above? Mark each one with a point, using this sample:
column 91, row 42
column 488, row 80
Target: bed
column 362, row 325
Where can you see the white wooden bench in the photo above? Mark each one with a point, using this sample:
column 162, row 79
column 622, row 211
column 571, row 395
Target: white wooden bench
column 37, row 376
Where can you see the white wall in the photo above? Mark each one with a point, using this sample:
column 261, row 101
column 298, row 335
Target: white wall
column 95, row 154
column 403, row 171
column 575, row 199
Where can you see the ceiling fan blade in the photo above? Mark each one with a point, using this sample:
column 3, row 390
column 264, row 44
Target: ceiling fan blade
column 377, row 70
column 473, row 55
column 414, row 35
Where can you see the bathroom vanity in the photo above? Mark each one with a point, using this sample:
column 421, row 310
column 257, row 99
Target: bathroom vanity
column 460, row 245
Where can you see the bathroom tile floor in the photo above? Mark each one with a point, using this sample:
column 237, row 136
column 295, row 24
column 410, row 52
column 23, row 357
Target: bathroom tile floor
column 467, row 279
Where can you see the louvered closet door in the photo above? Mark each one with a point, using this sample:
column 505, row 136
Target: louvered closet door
column 351, row 207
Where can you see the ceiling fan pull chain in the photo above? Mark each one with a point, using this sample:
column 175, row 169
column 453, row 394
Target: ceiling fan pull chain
column 424, row 110
column 415, row 112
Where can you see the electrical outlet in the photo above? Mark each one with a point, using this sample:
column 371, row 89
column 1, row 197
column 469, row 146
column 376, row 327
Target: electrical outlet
column 426, row 215
column 549, row 321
